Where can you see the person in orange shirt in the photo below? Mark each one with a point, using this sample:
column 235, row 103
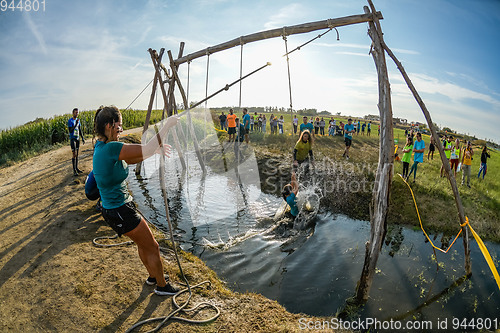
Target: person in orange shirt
column 231, row 124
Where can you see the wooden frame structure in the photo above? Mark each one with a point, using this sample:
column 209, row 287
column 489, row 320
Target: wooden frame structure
column 381, row 192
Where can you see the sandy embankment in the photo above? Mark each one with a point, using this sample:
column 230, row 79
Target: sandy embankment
column 53, row 279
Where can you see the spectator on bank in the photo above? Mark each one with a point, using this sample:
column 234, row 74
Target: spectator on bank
column 369, row 129
column 222, row 119
column 252, row 121
column 306, row 126
column 322, row 126
column 418, row 156
column 455, row 157
column 447, row 145
column 264, row 120
column 484, row 156
column 358, row 127
column 432, row 148
column 246, row 123
column 348, row 130
column 281, row 122
column 231, row 124
column 316, row 126
column 467, row 154
column 363, row 127
column 407, row 150
column 295, row 124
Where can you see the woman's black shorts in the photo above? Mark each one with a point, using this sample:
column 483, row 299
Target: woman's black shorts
column 122, row 219
column 431, row 147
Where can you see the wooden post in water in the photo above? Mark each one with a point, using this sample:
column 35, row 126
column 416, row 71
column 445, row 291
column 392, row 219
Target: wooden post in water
column 446, row 164
column 189, row 122
column 381, row 191
column 156, row 79
column 156, row 60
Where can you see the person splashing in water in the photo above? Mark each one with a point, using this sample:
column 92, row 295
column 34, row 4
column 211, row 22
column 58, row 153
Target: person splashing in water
column 290, row 195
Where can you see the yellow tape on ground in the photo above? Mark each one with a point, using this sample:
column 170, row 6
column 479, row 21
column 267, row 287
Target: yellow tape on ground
column 478, row 239
column 485, row 252
column 218, row 130
column 422, row 227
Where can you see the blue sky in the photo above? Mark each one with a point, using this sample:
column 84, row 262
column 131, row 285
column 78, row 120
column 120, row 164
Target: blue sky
column 87, row 53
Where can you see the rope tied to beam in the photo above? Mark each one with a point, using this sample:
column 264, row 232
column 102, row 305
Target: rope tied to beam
column 288, row 67
column 241, row 71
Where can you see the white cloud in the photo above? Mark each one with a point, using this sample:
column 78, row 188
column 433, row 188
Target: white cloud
column 456, row 93
column 354, row 53
column 35, row 31
column 287, row 14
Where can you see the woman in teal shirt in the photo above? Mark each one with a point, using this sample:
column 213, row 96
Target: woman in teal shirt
column 111, row 159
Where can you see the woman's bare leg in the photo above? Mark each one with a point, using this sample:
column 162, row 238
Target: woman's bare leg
column 149, row 251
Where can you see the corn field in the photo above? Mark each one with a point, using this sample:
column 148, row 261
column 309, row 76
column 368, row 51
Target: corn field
column 38, row 136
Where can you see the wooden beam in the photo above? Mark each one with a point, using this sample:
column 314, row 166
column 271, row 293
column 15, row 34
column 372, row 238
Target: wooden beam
column 291, row 30
column 381, row 191
column 446, row 164
column 189, row 122
column 171, row 98
column 156, row 60
column 138, row 166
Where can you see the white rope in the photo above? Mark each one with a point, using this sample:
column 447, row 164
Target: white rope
column 187, row 88
column 241, row 70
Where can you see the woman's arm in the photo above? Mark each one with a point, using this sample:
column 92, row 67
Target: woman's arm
column 295, row 184
column 135, row 153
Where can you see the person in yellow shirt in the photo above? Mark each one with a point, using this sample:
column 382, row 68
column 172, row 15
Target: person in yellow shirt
column 302, row 152
column 467, row 163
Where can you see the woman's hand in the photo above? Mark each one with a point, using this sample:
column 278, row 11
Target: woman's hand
column 166, row 150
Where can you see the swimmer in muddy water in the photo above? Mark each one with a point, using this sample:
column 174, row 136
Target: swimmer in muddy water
column 290, row 195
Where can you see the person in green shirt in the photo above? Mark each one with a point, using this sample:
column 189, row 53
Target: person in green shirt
column 447, row 145
column 302, row 152
column 407, row 150
column 110, row 161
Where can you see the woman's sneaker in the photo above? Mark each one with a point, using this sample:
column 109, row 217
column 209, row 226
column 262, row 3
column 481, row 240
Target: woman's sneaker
column 151, row 281
column 168, row 290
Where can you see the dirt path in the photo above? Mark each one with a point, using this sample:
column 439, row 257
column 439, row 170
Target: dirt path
column 53, row 279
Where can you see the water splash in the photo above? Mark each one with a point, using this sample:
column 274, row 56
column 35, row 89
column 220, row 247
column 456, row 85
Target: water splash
column 232, row 241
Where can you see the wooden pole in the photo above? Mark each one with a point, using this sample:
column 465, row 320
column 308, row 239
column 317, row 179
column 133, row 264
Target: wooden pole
column 156, row 59
column 190, row 124
column 171, row 98
column 381, row 191
column 446, row 164
column 292, row 30
column 138, row 166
